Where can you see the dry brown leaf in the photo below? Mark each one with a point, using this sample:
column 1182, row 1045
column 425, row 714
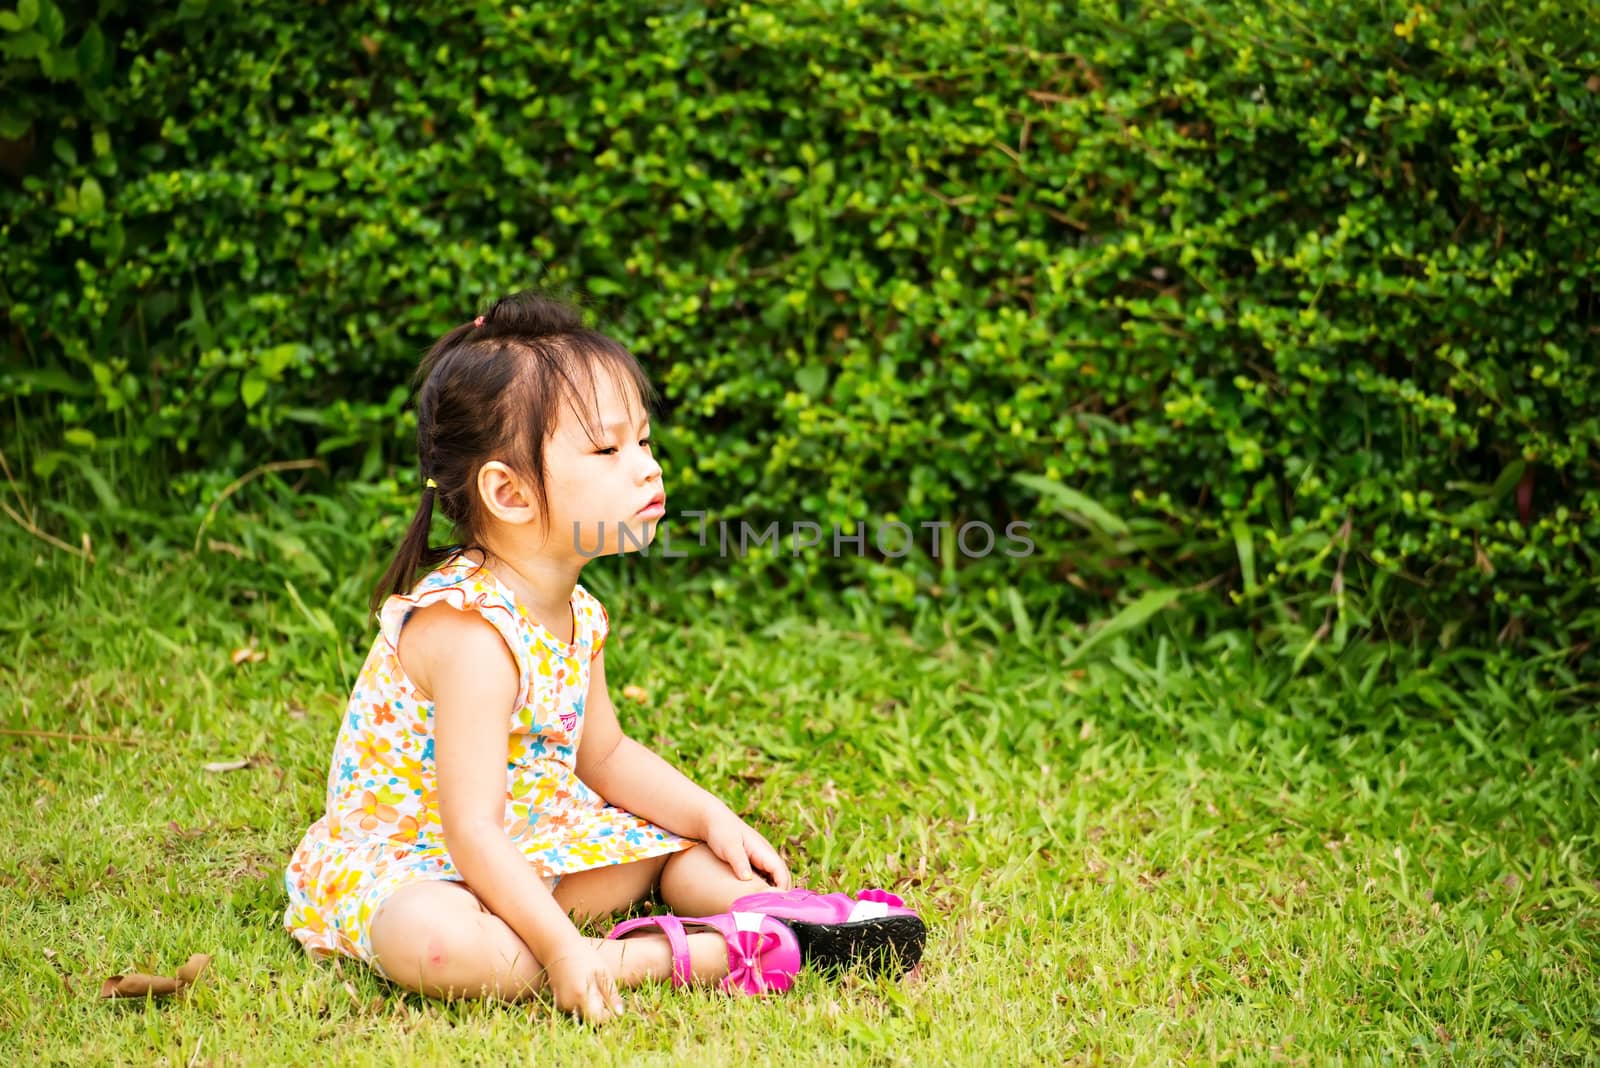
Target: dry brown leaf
column 138, row 985
column 227, row 547
column 230, row 765
column 247, row 653
column 635, row 693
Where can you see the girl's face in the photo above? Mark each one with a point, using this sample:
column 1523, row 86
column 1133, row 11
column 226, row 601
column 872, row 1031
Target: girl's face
column 605, row 493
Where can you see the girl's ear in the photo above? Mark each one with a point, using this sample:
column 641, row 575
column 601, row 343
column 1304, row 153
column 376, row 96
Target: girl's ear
column 504, row 494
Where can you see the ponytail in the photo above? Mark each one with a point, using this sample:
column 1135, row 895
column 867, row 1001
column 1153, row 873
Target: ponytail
column 414, row 553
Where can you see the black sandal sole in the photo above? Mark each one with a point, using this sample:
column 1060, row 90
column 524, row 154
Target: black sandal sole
column 890, row 945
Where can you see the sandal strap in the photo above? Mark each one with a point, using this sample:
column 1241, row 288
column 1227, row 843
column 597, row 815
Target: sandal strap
column 672, row 927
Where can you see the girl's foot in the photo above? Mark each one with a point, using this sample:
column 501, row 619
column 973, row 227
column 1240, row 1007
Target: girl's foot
column 762, row 953
column 643, row 957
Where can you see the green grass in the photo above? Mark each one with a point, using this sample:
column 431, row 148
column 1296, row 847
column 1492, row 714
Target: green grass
column 1177, row 851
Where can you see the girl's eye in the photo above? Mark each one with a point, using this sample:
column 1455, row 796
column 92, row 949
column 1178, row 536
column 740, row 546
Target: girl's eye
column 612, row 448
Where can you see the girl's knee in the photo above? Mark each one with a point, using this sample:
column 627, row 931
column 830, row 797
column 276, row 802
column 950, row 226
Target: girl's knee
column 444, row 944
column 461, row 957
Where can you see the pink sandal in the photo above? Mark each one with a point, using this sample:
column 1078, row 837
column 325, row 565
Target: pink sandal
column 763, row 955
column 837, row 931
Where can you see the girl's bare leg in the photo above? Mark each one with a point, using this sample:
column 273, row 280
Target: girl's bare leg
column 697, row 883
column 438, row 939
column 602, row 891
column 693, row 883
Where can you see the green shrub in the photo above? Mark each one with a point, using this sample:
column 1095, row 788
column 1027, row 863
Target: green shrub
column 1296, row 303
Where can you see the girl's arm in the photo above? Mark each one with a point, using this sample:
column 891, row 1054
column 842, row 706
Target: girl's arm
column 632, row 777
column 461, row 661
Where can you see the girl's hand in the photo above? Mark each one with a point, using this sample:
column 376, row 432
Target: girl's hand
column 741, row 847
column 580, row 984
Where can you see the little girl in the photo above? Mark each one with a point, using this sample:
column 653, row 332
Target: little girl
column 481, row 791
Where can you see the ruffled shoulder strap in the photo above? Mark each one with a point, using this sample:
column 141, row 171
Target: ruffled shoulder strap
column 592, row 623
column 469, row 587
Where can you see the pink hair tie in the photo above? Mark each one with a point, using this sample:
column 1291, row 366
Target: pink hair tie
column 477, row 322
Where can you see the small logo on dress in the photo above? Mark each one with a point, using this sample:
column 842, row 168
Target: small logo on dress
column 569, row 720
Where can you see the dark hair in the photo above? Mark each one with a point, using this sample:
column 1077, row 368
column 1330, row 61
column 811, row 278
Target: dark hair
column 494, row 389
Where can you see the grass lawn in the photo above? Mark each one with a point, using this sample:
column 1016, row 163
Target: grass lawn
column 1174, row 852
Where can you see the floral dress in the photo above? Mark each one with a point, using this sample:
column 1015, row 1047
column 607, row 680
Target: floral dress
column 381, row 827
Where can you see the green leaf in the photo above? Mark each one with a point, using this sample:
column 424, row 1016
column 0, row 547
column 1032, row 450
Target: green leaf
column 837, row 276
column 1245, row 544
column 318, row 618
column 272, row 362
column 51, row 22
column 1075, row 504
column 319, row 181
column 199, row 322
column 1508, row 479
column 113, row 240
column 14, row 126
column 50, row 379
column 812, row 379
column 1133, row 616
column 97, row 481
column 252, row 389
column 92, row 59
column 80, row 436
column 58, row 66
column 45, row 464
column 9, row 22
column 26, row 45
column 1019, row 617
column 91, row 198
column 800, row 227
column 27, row 12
